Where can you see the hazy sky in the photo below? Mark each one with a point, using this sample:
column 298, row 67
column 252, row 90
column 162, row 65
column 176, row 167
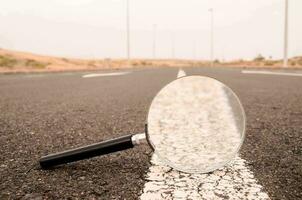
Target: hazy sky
column 97, row 28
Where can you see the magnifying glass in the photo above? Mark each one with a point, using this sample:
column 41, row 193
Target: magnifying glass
column 195, row 124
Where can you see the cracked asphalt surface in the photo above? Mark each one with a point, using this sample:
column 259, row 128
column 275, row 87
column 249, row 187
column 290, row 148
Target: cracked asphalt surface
column 46, row 113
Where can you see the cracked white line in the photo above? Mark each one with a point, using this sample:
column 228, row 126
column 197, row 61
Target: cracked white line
column 234, row 181
column 105, row 74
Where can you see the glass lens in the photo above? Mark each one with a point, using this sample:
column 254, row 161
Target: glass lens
column 196, row 124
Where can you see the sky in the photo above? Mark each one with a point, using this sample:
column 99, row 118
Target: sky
column 97, row 28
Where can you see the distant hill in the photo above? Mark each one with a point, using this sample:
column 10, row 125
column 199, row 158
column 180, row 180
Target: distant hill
column 16, row 61
column 295, row 62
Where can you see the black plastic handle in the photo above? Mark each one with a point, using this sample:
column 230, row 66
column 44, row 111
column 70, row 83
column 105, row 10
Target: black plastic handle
column 85, row 152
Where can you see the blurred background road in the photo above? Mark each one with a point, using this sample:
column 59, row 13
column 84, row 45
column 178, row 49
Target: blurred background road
column 45, row 113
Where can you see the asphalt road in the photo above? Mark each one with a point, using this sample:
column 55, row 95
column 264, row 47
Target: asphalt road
column 46, row 113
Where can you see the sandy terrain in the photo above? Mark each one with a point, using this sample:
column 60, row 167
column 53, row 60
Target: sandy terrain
column 15, row 61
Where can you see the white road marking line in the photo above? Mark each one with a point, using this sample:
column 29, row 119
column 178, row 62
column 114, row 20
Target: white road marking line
column 181, row 73
column 270, row 73
column 105, row 74
column 235, row 181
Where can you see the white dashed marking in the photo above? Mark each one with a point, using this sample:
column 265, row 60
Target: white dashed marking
column 181, row 73
column 234, row 181
column 271, row 73
column 105, row 74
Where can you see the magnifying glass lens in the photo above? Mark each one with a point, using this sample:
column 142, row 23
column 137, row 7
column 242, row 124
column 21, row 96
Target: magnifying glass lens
column 196, row 124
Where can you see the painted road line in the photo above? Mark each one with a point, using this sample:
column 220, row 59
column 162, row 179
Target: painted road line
column 271, row 73
column 105, row 74
column 181, row 73
column 234, row 181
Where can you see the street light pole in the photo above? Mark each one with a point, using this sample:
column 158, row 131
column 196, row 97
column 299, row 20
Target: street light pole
column 194, row 50
column 212, row 36
column 154, row 41
column 128, row 32
column 285, row 59
column 172, row 45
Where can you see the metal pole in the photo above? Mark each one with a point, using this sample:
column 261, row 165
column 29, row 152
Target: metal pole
column 212, row 36
column 194, row 50
column 285, row 59
column 173, row 45
column 154, row 41
column 128, row 33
